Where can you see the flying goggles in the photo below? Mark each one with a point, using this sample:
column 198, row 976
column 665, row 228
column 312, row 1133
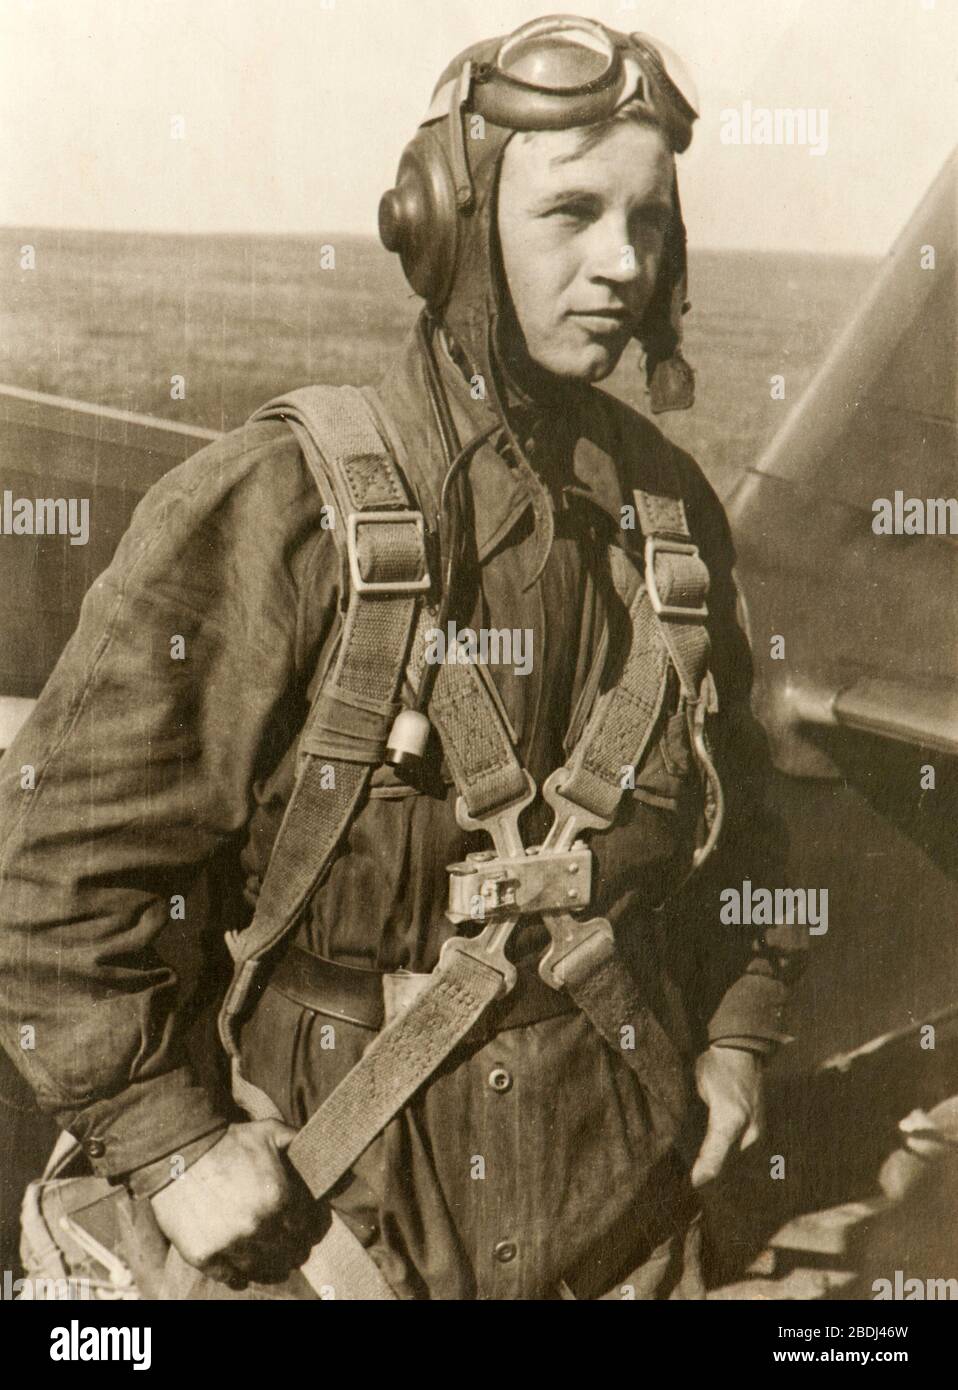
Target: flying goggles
column 562, row 71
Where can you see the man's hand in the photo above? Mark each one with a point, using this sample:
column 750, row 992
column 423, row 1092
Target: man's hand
column 239, row 1212
column 729, row 1080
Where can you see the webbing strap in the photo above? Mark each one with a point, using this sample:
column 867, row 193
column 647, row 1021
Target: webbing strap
column 316, row 818
column 349, row 722
column 678, row 583
column 618, row 731
column 355, row 709
column 397, row 1062
column 406, row 1053
column 353, row 463
column 616, row 736
column 607, row 993
column 472, row 730
column 338, row 1261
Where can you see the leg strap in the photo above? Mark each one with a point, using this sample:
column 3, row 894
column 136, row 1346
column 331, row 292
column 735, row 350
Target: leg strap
column 338, row 1261
column 396, row 1063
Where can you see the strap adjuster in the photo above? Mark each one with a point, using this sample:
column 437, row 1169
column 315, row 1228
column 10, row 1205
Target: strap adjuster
column 659, row 545
column 385, row 586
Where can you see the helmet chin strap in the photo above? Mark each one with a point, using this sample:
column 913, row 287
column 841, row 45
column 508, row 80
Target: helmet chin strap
column 669, row 378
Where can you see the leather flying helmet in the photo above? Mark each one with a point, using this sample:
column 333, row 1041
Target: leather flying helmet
column 555, row 73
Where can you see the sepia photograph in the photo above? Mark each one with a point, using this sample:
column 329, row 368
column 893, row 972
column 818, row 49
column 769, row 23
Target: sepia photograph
column 479, row 662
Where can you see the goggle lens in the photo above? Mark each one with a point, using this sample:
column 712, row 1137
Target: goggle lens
column 674, row 69
column 555, row 57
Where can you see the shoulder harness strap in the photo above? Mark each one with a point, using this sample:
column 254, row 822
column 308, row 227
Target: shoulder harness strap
column 677, row 583
column 348, row 726
column 382, row 539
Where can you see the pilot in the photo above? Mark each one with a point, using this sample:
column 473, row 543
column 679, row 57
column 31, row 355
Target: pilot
column 558, row 1146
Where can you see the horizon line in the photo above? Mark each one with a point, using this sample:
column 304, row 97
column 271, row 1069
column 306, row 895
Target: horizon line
column 777, row 249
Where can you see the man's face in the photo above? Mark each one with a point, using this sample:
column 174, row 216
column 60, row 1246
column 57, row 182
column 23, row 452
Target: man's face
column 582, row 237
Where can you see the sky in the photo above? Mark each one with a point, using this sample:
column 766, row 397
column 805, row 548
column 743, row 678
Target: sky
column 292, row 114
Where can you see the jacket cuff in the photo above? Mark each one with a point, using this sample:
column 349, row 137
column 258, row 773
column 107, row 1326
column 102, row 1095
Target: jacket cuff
column 751, row 1008
column 154, row 1177
column 146, row 1122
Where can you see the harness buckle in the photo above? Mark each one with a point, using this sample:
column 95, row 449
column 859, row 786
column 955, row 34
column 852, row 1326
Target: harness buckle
column 502, row 825
column 538, row 880
column 552, row 880
column 513, row 879
column 354, row 521
column 576, row 949
column 568, row 816
column 656, row 545
column 488, row 948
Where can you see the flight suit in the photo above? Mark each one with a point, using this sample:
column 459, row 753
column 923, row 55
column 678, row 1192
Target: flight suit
column 529, row 1166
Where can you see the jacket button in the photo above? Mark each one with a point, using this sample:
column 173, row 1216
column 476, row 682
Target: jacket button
column 506, row 1251
column 499, row 1079
column 95, row 1148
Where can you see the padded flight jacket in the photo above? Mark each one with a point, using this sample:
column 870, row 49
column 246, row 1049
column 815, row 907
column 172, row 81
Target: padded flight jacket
column 157, row 760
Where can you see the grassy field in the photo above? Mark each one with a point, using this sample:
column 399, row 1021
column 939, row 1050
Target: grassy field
column 110, row 317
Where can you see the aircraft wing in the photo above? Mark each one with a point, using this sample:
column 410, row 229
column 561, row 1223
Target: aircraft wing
column 56, row 447
column 869, row 622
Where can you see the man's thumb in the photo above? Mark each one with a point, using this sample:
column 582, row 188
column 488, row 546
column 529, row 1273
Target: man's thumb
column 282, row 1135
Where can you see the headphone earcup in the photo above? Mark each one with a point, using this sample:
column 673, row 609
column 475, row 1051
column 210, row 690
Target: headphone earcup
column 418, row 219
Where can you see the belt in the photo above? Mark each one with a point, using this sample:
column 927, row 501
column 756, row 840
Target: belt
column 357, row 996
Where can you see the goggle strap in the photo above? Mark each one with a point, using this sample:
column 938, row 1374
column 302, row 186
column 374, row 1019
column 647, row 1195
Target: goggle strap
column 458, row 100
column 453, row 96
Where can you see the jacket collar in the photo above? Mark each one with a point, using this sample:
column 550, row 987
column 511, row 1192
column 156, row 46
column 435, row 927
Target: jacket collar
column 557, row 445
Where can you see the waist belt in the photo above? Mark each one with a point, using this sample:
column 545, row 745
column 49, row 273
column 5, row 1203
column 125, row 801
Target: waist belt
column 358, row 996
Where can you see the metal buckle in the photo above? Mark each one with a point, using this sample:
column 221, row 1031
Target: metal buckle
column 489, row 949
column 593, row 942
column 512, row 880
column 385, row 586
column 569, row 936
column 502, row 826
column 655, row 546
column 539, row 880
column 568, row 816
column 553, row 880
